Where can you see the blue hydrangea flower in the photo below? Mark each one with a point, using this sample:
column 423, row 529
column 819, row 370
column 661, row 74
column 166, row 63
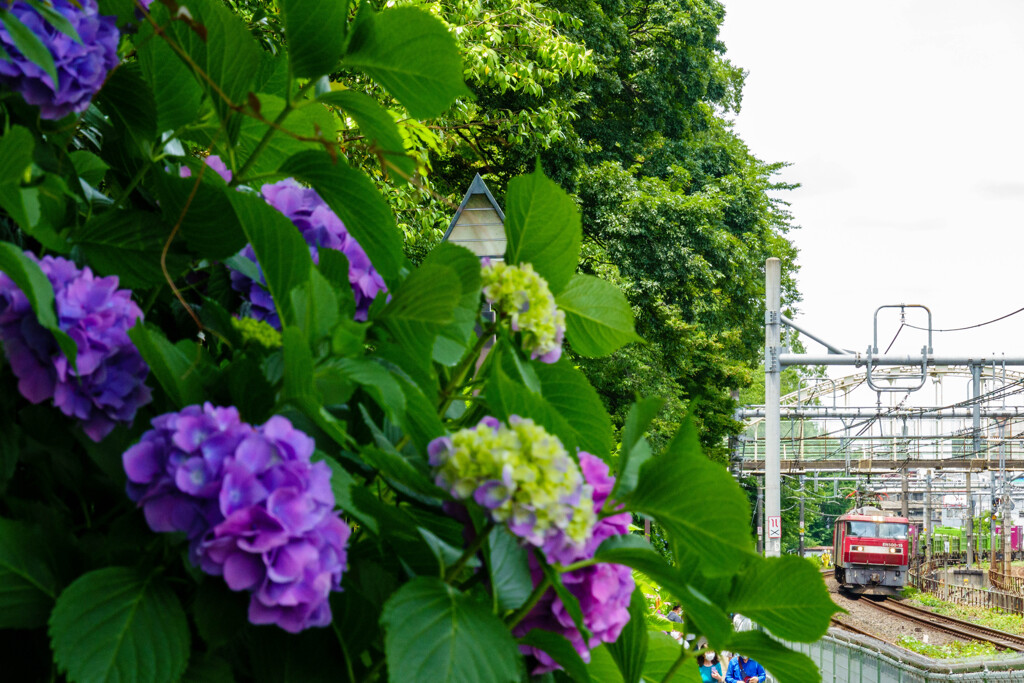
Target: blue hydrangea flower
column 107, row 386
column 254, row 507
column 81, row 67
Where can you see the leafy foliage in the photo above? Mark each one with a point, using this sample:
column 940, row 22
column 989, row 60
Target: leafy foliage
column 160, row 184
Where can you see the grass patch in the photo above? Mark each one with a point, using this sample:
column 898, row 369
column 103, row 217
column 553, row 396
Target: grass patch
column 993, row 618
column 954, row 650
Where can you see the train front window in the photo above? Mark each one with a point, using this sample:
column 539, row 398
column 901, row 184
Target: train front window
column 869, row 529
column 893, row 530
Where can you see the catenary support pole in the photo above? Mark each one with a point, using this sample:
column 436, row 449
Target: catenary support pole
column 801, row 515
column 976, row 448
column 772, row 392
column 904, row 495
column 928, row 517
column 758, row 516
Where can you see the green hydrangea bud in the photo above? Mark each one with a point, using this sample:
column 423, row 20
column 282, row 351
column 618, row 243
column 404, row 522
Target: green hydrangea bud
column 523, row 296
column 257, row 332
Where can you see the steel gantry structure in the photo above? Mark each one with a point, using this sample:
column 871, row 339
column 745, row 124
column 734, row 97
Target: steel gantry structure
column 983, row 432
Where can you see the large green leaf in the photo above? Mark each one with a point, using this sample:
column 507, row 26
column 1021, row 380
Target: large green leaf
column 16, row 147
column 30, row 278
column 282, row 253
column 602, row 668
column 118, row 624
column 209, row 225
column 176, row 372
column 29, row 44
column 128, row 243
column 353, row 196
column 316, row 34
column 421, row 307
column 785, row 665
column 543, row 228
column 786, row 595
column 569, row 392
column 630, row 649
column 634, row 450
column 560, row 650
column 28, row 586
column 506, row 397
column 298, row 369
column 310, row 120
column 598, row 319
column 376, row 125
column 127, row 99
column 634, row 552
column 454, row 338
column 662, row 654
column 411, row 54
column 436, row 633
column 176, row 93
column 509, row 567
column 697, row 502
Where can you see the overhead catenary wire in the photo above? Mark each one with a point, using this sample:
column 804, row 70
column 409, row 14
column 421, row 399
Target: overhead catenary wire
column 966, row 327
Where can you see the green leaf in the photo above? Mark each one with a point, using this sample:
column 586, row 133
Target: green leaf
column 560, row 650
column 175, row 372
column 88, row 166
column 712, row 519
column 209, row 669
column 31, row 280
column 316, row 35
column 298, row 367
column 635, row 450
column 602, row 668
column 411, row 54
column 176, row 93
column 784, row 664
column 358, row 203
column 420, row 421
column 569, row 392
column 316, row 306
column 16, row 148
column 375, row 381
column 29, row 44
column 630, row 650
column 598, row 319
column 436, row 633
column 28, row 586
column 662, row 653
column 209, row 226
column 509, row 567
column 282, row 253
column 786, row 595
column 117, row 624
column 543, row 228
column 634, row 552
column 421, row 306
column 459, row 333
column 309, row 120
column 569, row 601
column 128, row 243
column 128, row 101
column 506, row 398
column 376, row 125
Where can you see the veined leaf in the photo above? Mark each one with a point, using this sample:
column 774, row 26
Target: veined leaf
column 630, row 650
column 785, row 665
column 785, row 595
column 435, row 633
column 570, row 393
column 117, row 624
column 598, row 319
column 316, row 34
column 560, row 650
column 635, row 450
column 29, row 44
column 28, row 586
column 376, row 125
column 175, row 372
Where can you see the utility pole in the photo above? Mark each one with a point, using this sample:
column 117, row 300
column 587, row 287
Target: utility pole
column 928, row 517
column 757, row 516
column 772, row 395
column 976, row 447
column 904, row 494
column 801, row 515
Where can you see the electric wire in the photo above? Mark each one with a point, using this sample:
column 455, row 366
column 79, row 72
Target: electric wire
column 969, row 327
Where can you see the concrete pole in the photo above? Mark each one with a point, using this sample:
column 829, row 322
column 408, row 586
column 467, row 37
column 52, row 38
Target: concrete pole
column 801, row 515
column 928, row 517
column 976, row 448
column 772, row 393
column 904, row 495
column 759, row 517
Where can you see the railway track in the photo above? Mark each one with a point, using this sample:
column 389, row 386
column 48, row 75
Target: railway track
column 951, row 625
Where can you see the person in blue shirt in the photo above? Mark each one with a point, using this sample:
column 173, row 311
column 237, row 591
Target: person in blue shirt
column 744, row 670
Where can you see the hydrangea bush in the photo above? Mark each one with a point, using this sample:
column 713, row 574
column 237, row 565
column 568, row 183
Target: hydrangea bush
column 245, row 438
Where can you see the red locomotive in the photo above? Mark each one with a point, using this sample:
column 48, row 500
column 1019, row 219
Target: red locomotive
column 871, row 551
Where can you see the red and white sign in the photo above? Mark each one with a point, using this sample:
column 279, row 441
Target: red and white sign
column 775, row 527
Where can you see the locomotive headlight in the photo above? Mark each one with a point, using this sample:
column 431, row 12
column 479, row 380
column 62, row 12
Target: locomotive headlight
column 857, row 548
column 896, row 551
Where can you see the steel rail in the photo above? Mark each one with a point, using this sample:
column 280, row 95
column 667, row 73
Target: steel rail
column 951, row 625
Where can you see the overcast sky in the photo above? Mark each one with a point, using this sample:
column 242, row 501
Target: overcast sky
column 904, row 124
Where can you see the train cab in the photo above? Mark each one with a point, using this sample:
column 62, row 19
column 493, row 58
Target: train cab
column 872, row 551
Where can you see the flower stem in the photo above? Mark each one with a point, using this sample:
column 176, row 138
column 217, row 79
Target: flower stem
column 530, row 603
column 265, row 140
column 471, row 551
column 459, row 375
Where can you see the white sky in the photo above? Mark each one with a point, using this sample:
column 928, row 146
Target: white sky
column 904, row 123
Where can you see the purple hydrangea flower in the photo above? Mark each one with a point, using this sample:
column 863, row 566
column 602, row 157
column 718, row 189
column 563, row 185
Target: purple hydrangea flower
column 106, row 386
column 321, row 228
column 81, row 67
column 254, row 508
column 603, row 590
column 213, row 161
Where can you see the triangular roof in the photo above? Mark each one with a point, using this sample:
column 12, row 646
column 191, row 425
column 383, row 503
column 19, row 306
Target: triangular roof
column 479, row 223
